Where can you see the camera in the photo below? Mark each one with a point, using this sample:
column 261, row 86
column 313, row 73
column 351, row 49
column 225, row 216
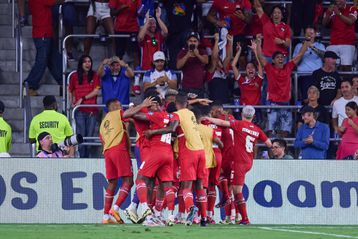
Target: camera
column 69, row 141
column 192, row 47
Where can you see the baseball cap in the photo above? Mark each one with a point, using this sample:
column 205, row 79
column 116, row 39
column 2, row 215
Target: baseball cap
column 330, row 54
column 194, row 34
column 248, row 111
column 158, row 55
column 2, row 107
column 48, row 100
column 307, row 109
column 41, row 136
column 115, row 59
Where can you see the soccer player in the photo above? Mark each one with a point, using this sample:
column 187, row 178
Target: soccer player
column 191, row 157
column 159, row 163
column 246, row 135
column 116, row 145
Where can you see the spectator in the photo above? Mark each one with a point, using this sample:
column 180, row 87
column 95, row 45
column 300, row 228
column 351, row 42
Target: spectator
column 355, row 85
column 150, row 39
column 125, row 13
column 311, row 60
column 83, row 89
column 42, row 35
column 250, row 84
column 353, row 157
column 302, row 15
column 279, row 149
column 5, row 134
column 321, row 112
column 192, row 61
column 276, row 34
column 339, row 106
column 46, row 147
column 327, row 79
column 217, row 72
column 341, row 18
column 98, row 12
column 279, row 87
column 116, row 78
column 234, row 15
column 52, row 122
column 312, row 137
column 159, row 77
column 349, row 131
column 180, row 15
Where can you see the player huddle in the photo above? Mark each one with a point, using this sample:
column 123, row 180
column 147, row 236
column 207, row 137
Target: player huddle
column 184, row 149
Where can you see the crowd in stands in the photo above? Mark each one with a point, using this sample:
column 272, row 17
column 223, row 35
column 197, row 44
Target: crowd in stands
column 207, row 41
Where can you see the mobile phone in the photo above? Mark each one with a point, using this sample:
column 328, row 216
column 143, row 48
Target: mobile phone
column 192, row 47
column 238, row 8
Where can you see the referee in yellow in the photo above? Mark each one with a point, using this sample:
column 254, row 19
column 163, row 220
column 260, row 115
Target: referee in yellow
column 5, row 134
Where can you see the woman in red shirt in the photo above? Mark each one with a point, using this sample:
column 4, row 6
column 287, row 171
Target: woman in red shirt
column 349, row 130
column 83, row 89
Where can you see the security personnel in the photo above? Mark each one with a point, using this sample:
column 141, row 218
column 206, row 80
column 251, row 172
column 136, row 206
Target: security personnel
column 50, row 121
column 5, row 134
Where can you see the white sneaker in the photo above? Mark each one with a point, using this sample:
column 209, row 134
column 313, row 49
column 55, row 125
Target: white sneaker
column 171, row 221
column 149, row 222
column 146, row 211
column 131, row 214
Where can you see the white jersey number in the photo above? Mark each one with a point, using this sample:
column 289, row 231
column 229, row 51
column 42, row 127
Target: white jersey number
column 249, row 144
column 166, row 138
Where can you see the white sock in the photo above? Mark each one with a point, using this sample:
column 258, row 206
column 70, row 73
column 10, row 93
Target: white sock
column 116, row 208
column 105, row 217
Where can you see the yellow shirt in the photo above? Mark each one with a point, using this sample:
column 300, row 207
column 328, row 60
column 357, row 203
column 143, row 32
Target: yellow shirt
column 5, row 136
column 189, row 126
column 56, row 124
column 111, row 129
column 206, row 134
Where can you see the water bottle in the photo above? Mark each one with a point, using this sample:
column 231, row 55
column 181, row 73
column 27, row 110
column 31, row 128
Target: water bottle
column 236, row 103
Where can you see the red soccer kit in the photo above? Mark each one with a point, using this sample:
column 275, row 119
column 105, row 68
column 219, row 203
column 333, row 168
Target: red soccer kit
column 148, row 47
column 228, row 150
column 141, row 141
column 342, row 33
column 227, row 8
column 250, row 90
column 246, row 135
column 160, row 160
column 270, row 31
column 192, row 164
column 279, row 82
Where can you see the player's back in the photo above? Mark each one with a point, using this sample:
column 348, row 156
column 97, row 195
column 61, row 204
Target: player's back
column 159, row 120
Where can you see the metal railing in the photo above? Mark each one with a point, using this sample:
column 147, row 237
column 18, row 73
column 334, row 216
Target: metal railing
column 18, row 61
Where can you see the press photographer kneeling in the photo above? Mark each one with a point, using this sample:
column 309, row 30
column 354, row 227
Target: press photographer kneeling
column 48, row 149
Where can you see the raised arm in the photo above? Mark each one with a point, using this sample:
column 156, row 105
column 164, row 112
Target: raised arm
column 218, row 122
column 143, row 30
column 132, row 111
column 259, row 10
column 215, row 53
column 162, row 26
column 260, row 57
column 230, row 42
column 100, row 70
column 300, row 54
column 235, row 61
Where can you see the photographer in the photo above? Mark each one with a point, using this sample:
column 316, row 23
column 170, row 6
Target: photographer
column 192, row 61
column 46, row 151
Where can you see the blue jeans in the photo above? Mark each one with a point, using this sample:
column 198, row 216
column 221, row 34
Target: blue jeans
column 46, row 56
column 85, row 125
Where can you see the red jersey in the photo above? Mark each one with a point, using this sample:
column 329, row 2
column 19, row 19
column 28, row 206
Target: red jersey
column 279, row 82
column 79, row 90
column 342, row 33
column 255, row 26
column 159, row 120
column 227, row 136
column 141, row 126
column 126, row 21
column 250, row 90
column 227, row 9
column 246, row 135
column 148, row 48
column 270, row 31
column 41, row 18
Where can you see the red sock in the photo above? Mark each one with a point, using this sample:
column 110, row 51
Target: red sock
column 202, row 199
column 142, row 191
column 123, row 193
column 170, row 198
column 181, row 201
column 108, row 200
column 211, row 198
column 224, row 188
column 227, row 210
column 188, row 198
column 241, row 204
column 151, row 200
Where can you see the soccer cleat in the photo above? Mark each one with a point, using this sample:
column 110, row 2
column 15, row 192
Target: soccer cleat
column 131, row 215
column 158, row 220
column 116, row 216
column 211, row 220
column 223, row 203
column 244, row 222
column 146, row 213
column 171, row 221
column 109, row 221
column 189, row 220
column 203, row 222
column 151, row 222
column 196, row 220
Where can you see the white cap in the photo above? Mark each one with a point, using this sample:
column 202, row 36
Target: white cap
column 248, row 111
column 158, row 55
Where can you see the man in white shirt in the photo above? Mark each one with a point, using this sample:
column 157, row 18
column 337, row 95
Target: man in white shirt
column 339, row 106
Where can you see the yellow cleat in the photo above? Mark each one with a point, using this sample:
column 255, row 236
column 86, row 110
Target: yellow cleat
column 109, row 221
column 116, row 216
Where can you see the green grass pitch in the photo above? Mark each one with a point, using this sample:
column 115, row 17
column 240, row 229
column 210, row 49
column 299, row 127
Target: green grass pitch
column 97, row 231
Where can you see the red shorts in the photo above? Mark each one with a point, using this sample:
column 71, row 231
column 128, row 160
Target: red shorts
column 214, row 173
column 240, row 169
column 192, row 164
column 117, row 162
column 206, row 178
column 144, row 152
column 227, row 161
column 159, row 164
